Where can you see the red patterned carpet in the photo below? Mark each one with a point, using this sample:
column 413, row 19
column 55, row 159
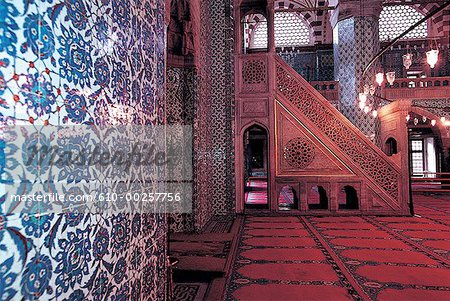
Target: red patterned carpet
column 345, row 258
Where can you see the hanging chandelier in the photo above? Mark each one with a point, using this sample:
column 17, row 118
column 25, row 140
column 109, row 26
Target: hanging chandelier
column 407, row 60
column 390, row 76
column 414, row 119
column 379, row 78
column 369, row 90
column 432, row 57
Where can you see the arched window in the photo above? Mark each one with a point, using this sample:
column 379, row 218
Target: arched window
column 291, row 30
column 394, row 20
column 255, row 31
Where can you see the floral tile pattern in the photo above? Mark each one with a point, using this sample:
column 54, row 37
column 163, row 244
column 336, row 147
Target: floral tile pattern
column 78, row 62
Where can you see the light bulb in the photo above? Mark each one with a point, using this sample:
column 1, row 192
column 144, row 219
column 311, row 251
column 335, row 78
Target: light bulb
column 407, row 60
column 362, row 105
column 408, row 117
column 433, row 122
column 390, row 76
column 366, row 89
column 443, row 119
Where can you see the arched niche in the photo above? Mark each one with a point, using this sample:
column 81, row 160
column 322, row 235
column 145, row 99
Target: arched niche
column 254, row 32
column 390, row 146
column 348, row 198
column 317, row 198
column 287, row 198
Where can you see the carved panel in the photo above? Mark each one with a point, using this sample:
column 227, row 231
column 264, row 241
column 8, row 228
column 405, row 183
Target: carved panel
column 254, row 75
column 299, row 152
column 324, row 162
column 360, row 150
column 254, row 108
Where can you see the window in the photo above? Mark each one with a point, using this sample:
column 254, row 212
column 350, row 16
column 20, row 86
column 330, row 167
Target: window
column 287, row 198
column 290, row 30
column 255, row 32
column 417, row 156
column 394, row 20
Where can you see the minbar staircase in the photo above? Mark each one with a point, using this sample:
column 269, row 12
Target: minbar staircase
column 312, row 144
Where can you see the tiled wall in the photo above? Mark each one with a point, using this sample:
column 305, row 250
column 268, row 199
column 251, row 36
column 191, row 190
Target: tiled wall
column 72, row 62
column 356, row 44
column 438, row 107
column 182, row 98
column 208, row 92
column 222, row 105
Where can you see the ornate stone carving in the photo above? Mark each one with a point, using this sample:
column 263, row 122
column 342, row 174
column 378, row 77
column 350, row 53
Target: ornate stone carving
column 362, row 153
column 254, row 72
column 254, row 75
column 299, row 152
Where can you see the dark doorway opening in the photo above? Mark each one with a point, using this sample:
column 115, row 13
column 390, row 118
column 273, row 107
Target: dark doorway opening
column 256, row 167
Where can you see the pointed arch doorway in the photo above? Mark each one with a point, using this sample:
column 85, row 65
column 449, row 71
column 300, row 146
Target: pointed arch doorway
column 256, row 168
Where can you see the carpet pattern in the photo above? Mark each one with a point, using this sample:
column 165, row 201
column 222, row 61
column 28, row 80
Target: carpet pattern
column 278, row 256
column 190, row 291
column 345, row 258
column 219, row 224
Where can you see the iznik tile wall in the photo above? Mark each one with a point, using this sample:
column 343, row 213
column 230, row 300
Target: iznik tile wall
column 72, row 62
column 356, row 44
column 203, row 143
column 438, row 107
column 222, row 104
column 182, row 98
column 212, row 95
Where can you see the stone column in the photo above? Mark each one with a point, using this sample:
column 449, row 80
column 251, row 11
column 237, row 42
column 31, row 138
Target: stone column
column 270, row 26
column 356, row 42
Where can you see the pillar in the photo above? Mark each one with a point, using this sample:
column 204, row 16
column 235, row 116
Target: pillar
column 270, row 26
column 356, row 42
